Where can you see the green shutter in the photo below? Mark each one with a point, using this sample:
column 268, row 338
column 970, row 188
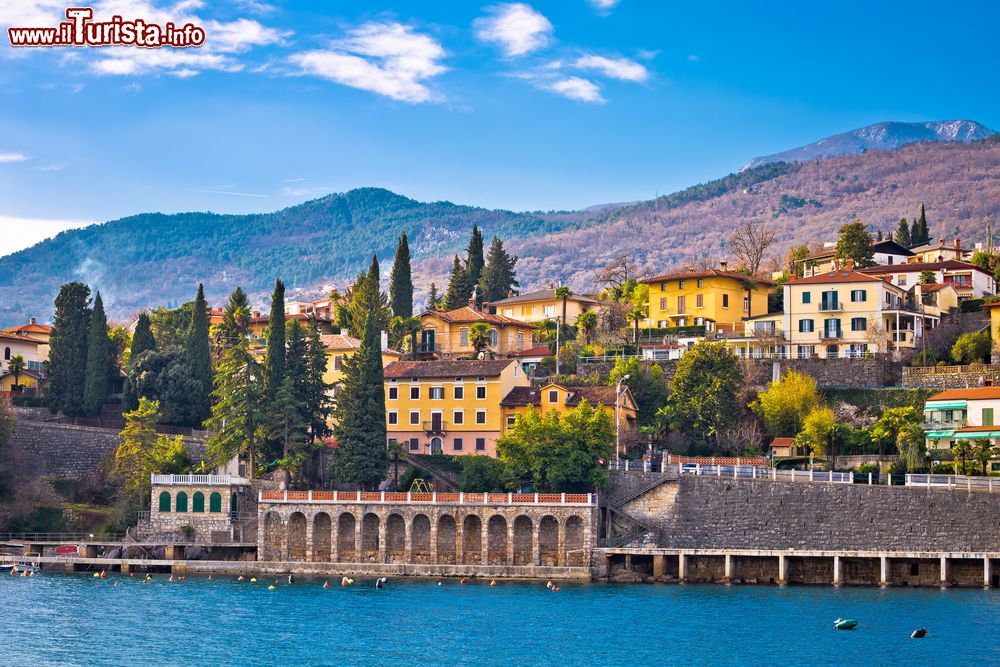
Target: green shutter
column 182, row 502
column 987, row 416
column 165, row 501
column 806, row 297
column 198, row 502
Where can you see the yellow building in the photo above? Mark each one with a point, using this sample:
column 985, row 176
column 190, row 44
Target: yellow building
column 993, row 308
column 341, row 346
column 543, row 305
column 445, row 335
column 562, row 399
column 449, row 407
column 846, row 313
column 717, row 299
column 259, row 325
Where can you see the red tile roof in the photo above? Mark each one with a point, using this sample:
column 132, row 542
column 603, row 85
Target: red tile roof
column 542, row 295
column 916, row 267
column 710, row 273
column 841, row 276
column 22, row 338
column 522, row 396
column 980, row 393
column 345, row 342
column 537, row 351
column 782, row 442
column 976, row 429
column 470, row 315
column 30, row 329
column 447, row 369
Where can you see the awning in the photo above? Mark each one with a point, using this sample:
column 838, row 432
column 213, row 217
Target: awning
column 939, row 435
column 945, row 405
column 976, row 435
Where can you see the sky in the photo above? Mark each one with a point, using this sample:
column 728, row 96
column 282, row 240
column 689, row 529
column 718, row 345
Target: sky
column 539, row 105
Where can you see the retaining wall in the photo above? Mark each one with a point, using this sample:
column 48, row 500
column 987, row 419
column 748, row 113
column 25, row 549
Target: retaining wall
column 951, row 377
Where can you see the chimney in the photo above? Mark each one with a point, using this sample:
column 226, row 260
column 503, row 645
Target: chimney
column 958, row 243
column 723, row 264
column 343, row 332
column 385, row 340
column 941, row 241
column 551, row 286
column 848, row 264
column 32, row 320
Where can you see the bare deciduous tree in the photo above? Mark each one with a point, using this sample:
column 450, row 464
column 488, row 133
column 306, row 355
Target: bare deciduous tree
column 615, row 274
column 748, row 243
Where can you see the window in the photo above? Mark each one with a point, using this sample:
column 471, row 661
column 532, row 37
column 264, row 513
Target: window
column 337, row 360
column 182, row 502
column 807, row 297
column 437, row 393
column 393, row 393
column 480, row 393
column 164, row 501
column 392, row 418
column 215, row 502
column 680, row 284
column 463, row 336
column 414, row 444
column 520, row 340
column 699, row 300
column 663, row 303
column 414, row 417
column 987, row 416
column 806, row 351
column 681, row 304
column 663, row 287
column 510, row 420
column 458, row 417
column 746, row 304
column 459, row 393
column 494, row 337
column 549, row 311
column 480, row 444
column 415, row 393
column 457, row 444
column 553, row 395
column 508, row 312
column 829, row 300
column 701, row 283
column 725, row 301
column 858, row 295
column 859, row 324
column 831, row 328
column 805, row 326
column 480, row 416
column 901, row 280
column 6, row 353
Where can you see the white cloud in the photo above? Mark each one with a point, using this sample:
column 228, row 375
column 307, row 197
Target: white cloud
column 389, row 59
column 7, row 158
column 575, row 88
column 694, row 58
column 20, row 233
column 603, row 5
column 516, row 28
column 615, row 68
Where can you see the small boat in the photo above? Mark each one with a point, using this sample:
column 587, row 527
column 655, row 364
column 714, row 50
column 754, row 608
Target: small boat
column 845, row 624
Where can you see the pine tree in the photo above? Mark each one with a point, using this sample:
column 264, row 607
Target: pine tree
column 287, row 420
column 143, row 339
column 433, row 298
column 234, row 319
column 68, row 350
column 360, row 412
column 95, row 390
column 921, row 224
column 368, row 297
column 456, row 296
column 317, row 399
column 475, row 262
column 878, row 235
column 903, row 237
column 499, row 277
column 239, row 404
column 400, row 281
column 198, row 356
column 274, row 361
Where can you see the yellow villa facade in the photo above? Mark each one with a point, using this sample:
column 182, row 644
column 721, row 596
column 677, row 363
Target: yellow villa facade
column 449, row 407
column 562, row 399
column 341, row 346
column 446, row 335
column 717, row 299
column 541, row 305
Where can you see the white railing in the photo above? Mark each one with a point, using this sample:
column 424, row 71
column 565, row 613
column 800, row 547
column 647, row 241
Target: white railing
column 956, row 482
column 203, row 480
column 431, row 498
column 757, row 472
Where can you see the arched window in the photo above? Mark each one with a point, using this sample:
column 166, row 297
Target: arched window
column 182, row 502
column 164, row 501
column 198, row 502
column 6, row 353
column 215, row 502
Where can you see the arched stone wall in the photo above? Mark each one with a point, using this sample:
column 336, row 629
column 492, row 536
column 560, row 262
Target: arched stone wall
column 496, row 540
column 575, row 555
column 523, row 538
column 472, row 540
column 322, row 534
column 370, row 541
column 297, row 537
column 447, row 540
column 347, row 548
column 395, row 539
column 420, row 539
column 548, row 541
column 274, row 531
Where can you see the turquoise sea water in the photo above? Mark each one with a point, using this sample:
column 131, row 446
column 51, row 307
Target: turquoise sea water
column 56, row 619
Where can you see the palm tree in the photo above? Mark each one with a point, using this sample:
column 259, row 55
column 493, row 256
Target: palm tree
column 961, row 450
column 395, row 451
column 982, row 452
column 407, row 326
column 635, row 314
column 586, row 323
column 16, row 366
column 479, row 336
column 563, row 293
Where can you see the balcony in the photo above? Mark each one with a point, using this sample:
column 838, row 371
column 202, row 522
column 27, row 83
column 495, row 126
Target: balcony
column 943, row 425
column 830, row 334
column 436, row 427
column 830, row 307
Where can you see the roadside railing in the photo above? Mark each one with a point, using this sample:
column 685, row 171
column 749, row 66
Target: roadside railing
column 954, row 482
column 206, row 480
column 757, row 472
column 433, row 498
column 61, row 537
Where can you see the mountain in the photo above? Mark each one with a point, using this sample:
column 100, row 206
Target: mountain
column 154, row 259
column 880, row 136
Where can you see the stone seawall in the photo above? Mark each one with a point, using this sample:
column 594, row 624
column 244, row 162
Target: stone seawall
column 48, row 449
column 710, row 513
column 951, row 377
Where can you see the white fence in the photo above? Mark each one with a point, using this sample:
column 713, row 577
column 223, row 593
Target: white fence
column 756, row 472
column 202, row 480
column 957, row 482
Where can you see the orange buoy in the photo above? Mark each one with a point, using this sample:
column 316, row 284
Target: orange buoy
column 326, row 584
column 131, row 574
column 209, row 577
column 464, row 581
column 493, row 583
column 182, row 578
column 104, row 575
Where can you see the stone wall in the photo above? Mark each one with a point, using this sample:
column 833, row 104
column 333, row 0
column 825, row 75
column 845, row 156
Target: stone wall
column 710, row 513
column 48, row 449
column 951, row 377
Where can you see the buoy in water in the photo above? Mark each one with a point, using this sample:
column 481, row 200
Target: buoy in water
column 550, row 584
column 104, row 575
column 326, row 584
column 97, row 574
column 209, row 577
column 493, row 583
column 919, row 633
column 271, row 587
column 171, row 578
column 463, row 581
column 845, row 624
column 131, row 574
column 291, row 578
column 253, row 580
column 439, row 583
column 240, row 578
column 380, row 583
column 182, row 578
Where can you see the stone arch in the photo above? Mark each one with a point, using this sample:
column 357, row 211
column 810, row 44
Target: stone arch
column 446, row 549
column 420, row 539
column 182, row 502
column 548, row 540
column 322, row 529
column 164, row 501
column 215, row 502
column 346, row 546
column 395, row 538
column 574, row 555
column 472, row 540
column 297, row 536
column 496, row 540
column 369, row 536
column 524, row 533
column 273, row 532
column 198, row 502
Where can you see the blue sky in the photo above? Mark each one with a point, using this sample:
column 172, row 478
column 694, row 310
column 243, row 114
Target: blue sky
column 538, row 105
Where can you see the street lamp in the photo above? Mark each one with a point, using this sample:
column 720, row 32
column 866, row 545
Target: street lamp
column 618, row 423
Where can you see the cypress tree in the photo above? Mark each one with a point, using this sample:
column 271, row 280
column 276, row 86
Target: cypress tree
column 234, row 316
column 921, row 224
column 360, row 412
column 287, row 420
column 317, row 400
column 199, row 357
column 475, row 262
column 68, row 350
column 238, row 410
column 142, row 341
column 400, row 281
column 432, row 298
column 274, row 361
column 95, row 390
column 457, row 295
column 903, row 237
column 368, row 297
column 499, row 277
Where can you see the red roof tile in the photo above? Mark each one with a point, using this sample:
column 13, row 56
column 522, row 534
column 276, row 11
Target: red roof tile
column 975, row 393
column 841, row 276
column 447, row 369
column 470, row 315
column 710, row 273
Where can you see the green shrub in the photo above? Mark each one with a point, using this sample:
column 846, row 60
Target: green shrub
column 481, row 474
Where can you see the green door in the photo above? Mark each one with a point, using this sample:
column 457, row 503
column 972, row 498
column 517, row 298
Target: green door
column 198, row 502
